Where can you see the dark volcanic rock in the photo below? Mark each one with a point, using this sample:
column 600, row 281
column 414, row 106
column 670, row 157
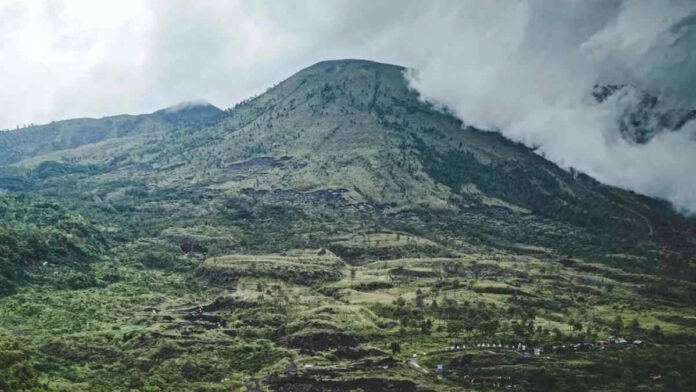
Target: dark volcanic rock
column 306, row 383
column 321, row 340
column 261, row 162
column 328, row 196
column 371, row 286
column 357, row 353
column 221, row 303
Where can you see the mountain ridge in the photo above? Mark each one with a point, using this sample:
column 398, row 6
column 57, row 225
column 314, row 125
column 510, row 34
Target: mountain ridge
column 35, row 140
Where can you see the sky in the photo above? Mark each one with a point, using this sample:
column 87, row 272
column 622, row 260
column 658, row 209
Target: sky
column 522, row 68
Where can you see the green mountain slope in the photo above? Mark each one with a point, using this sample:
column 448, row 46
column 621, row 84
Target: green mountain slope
column 335, row 233
column 62, row 135
column 351, row 133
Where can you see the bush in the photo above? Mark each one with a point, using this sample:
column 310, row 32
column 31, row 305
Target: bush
column 16, row 366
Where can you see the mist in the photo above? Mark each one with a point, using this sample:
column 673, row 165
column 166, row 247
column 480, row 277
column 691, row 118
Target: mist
column 525, row 69
column 531, row 79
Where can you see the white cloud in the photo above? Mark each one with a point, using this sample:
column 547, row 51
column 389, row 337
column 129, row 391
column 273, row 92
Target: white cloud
column 537, row 91
column 66, row 59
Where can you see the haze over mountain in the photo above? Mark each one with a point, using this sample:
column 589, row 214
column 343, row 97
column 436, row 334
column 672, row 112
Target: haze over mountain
column 62, row 135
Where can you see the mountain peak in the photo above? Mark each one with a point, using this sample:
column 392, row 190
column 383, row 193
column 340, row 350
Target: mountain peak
column 197, row 111
column 352, row 63
column 351, row 85
column 333, row 70
column 192, row 104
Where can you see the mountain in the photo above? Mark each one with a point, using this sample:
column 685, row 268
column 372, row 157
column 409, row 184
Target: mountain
column 352, row 133
column 643, row 114
column 329, row 221
column 62, row 135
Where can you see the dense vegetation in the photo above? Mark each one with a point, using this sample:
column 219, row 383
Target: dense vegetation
column 332, row 234
column 39, row 235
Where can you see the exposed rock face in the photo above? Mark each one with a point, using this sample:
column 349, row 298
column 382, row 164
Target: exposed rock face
column 644, row 115
column 304, row 383
column 321, row 340
column 357, row 353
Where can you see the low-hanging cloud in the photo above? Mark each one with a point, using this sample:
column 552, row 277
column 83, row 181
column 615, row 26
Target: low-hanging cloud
column 533, row 82
column 522, row 68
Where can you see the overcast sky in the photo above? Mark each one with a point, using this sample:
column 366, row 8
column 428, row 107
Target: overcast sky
column 524, row 68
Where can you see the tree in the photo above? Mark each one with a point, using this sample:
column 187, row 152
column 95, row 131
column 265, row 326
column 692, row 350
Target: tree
column 617, row 324
column 489, row 327
column 425, row 328
column 629, row 380
column 518, row 329
column 16, row 367
column 395, row 348
column 634, row 326
column 656, row 332
column 420, row 303
column 557, row 334
column 400, row 302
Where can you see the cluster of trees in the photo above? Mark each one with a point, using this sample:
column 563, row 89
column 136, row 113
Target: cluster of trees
column 37, row 234
column 16, row 366
column 464, row 320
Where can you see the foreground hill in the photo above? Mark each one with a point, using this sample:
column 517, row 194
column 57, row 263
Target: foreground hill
column 314, row 237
